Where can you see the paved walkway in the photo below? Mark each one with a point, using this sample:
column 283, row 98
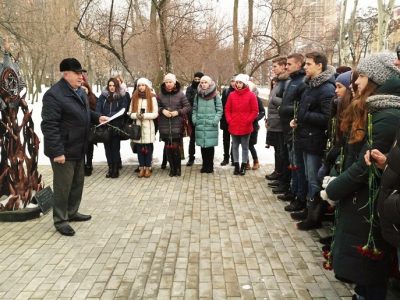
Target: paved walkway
column 198, row 236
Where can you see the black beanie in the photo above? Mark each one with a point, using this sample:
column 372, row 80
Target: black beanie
column 198, row 74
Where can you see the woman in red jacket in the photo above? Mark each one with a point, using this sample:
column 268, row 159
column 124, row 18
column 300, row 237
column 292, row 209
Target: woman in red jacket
column 241, row 110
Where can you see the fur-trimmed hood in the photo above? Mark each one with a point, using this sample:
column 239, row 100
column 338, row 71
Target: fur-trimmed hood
column 106, row 94
column 209, row 93
column 327, row 75
column 173, row 92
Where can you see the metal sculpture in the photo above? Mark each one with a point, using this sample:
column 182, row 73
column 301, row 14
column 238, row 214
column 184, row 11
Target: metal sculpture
column 19, row 144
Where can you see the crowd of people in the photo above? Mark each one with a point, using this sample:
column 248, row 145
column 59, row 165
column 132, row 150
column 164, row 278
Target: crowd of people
column 331, row 130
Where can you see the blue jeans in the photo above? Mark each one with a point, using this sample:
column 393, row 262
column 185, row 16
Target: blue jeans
column 299, row 182
column 312, row 163
column 240, row 140
column 145, row 154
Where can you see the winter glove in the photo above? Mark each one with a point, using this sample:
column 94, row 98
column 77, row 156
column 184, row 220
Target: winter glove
column 324, row 196
column 326, row 181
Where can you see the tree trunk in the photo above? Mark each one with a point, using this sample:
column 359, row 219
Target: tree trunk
column 384, row 14
column 247, row 39
column 343, row 10
column 236, row 55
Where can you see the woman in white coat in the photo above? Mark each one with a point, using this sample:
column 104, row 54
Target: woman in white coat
column 144, row 110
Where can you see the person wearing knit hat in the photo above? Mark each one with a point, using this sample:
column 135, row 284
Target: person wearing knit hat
column 173, row 106
column 241, row 110
column 379, row 67
column 170, row 77
column 370, row 122
column 344, row 79
column 144, row 109
column 207, row 111
column 191, row 93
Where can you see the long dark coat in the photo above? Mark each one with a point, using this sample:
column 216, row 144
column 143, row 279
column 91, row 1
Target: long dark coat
column 66, row 119
column 350, row 189
column 171, row 128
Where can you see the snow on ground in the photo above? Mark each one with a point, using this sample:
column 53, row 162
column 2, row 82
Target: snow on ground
column 266, row 156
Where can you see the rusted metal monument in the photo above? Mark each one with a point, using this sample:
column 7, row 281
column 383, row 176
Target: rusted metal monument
column 19, row 144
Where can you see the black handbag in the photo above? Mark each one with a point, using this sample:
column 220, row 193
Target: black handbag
column 99, row 134
column 132, row 130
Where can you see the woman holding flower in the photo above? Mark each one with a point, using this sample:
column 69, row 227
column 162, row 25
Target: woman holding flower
column 359, row 253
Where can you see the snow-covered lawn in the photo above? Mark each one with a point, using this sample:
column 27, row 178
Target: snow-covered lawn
column 266, row 156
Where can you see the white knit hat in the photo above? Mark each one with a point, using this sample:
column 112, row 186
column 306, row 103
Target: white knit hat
column 144, row 81
column 170, row 77
column 243, row 78
column 207, row 79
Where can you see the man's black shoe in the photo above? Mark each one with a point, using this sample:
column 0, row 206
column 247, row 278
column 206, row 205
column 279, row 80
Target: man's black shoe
column 286, row 197
column 308, row 225
column 299, row 215
column 80, row 218
column 272, row 176
column 295, row 205
column 282, row 189
column 66, row 230
column 274, row 183
column 326, row 240
column 190, row 162
column 224, row 162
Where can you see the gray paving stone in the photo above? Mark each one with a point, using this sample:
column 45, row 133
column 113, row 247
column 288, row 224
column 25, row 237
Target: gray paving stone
column 195, row 237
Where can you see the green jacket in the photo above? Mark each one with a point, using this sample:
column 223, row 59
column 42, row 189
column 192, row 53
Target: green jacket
column 350, row 189
column 206, row 115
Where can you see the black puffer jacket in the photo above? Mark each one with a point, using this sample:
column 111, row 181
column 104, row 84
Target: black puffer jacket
column 171, row 128
column 66, row 119
column 291, row 97
column 314, row 112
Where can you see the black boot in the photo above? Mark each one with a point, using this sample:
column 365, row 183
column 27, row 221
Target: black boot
column 164, row 159
column 299, row 215
column 115, row 170
column 295, row 205
column 236, row 171
column 171, row 161
column 88, row 169
column 225, row 161
column 178, row 163
column 109, row 172
column 243, row 169
column 286, row 197
column 313, row 220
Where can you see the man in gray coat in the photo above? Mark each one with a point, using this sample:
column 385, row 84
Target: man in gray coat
column 66, row 119
column 275, row 135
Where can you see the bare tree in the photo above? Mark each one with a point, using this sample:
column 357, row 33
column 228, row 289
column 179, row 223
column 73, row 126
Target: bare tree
column 111, row 30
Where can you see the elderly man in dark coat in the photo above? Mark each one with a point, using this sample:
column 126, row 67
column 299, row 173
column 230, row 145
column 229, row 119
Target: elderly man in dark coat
column 66, row 119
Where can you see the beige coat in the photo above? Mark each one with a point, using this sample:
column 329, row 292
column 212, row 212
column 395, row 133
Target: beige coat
column 147, row 125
